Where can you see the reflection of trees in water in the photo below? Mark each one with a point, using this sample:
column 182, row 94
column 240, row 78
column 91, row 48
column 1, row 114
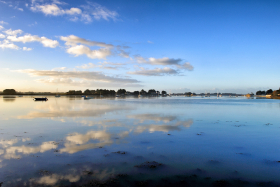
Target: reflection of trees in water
column 9, row 99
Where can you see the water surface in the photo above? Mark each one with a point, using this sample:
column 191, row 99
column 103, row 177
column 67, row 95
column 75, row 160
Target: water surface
column 70, row 141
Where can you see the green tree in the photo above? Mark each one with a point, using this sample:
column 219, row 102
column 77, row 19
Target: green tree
column 87, row 92
column 143, row 92
column 136, row 93
column 9, row 92
column 152, row 92
column 269, row 92
column 121, row 91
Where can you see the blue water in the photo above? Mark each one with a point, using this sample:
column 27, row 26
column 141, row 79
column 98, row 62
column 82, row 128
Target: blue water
column 47, row 143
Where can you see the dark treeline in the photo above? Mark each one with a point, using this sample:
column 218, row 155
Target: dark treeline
column 151, row 92
column 274, row 94
column 268, row 92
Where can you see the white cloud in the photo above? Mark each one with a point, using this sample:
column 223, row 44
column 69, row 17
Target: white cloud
column 73, row 48
column 1, row 27
column 2, row 36
column 77, row 46
column 79, row 77
column 100, row 12
column 3, row 22
column 26, row 49
column 87, row 13
column 20, row 9
column 87, row 66
column 13, row 32
column 53, row 9
column 32, row 38
column 155, row 72
column 84, row 50
column 73, row 40
column 8, row 45
column 150, row 42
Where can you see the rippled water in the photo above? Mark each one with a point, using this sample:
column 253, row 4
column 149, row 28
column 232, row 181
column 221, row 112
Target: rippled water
column 69, row 140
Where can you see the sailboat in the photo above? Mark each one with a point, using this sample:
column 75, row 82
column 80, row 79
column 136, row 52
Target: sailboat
column 57, row 94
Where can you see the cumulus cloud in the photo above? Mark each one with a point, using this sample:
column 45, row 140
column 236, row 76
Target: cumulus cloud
column 85, row 13
column 79, row 46
column 7, row 45
column 84, row 50
column 53, row 9
column 2, row 36
column 155, row 72
column 13, row 32
column 1, row 27
column 84, row 77
column 34, row 38
column 26, row 49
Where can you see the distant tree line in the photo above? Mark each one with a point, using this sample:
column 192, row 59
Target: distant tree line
column 274, row 94
column 151, row 92
column 268, row 92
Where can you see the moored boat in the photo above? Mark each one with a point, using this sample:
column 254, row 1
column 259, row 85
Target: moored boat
column 40, row 99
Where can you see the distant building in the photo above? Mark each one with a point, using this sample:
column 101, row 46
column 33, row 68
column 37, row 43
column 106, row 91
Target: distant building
column 9, row 92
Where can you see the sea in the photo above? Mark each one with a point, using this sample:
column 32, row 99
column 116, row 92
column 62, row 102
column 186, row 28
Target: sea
column 147, row 141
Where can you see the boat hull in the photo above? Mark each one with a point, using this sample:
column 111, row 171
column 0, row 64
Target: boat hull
column 40, row 99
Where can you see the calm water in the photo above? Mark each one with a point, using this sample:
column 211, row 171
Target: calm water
column 70, row 140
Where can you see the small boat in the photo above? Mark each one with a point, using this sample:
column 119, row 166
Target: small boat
column 117, row 96
column 87, row 98
column 40, row 99
column 57, row 95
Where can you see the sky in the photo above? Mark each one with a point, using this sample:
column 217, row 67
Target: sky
column 178, row 46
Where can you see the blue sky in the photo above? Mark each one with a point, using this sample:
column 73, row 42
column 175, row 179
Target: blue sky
column 178, row 46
